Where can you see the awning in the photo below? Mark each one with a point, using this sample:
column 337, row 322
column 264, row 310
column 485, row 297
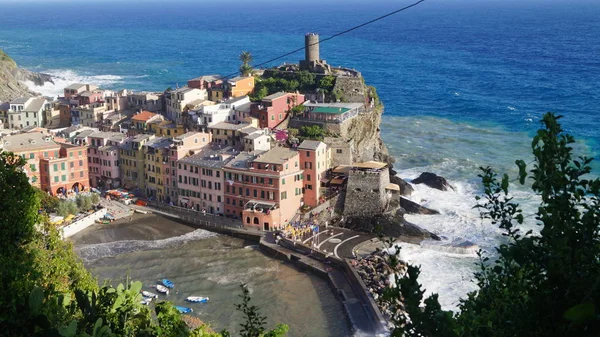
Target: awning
column 337, row 181
column 342, row 169
column 325, row 180
column 393, row 187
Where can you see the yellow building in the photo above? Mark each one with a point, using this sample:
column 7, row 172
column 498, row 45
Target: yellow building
column 169, row 129
column 240, row 86
column 132, row 162
column 156, row 161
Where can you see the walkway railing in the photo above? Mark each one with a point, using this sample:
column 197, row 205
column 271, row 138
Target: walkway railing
column 196, row 217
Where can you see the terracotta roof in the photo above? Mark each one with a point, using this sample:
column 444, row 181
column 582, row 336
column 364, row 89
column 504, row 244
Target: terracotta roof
column 143, row 116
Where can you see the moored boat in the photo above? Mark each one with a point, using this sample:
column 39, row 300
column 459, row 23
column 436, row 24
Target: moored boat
column 183, row 310
column 168, row 283
column 162, row 289
column 149, row 294
column 197, row 299
column 146, row 301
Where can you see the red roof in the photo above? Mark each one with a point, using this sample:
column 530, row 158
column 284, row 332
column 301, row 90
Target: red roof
column 143, row 116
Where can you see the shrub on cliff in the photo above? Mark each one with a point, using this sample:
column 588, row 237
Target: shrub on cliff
column 540, row 285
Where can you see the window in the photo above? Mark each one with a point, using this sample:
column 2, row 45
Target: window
column 55, row 167
column 71, row 154
column 79, row 153
column 81, row 174
column 338, row 151
column 272, row 117
column 31, row 155
column 283, row 195
column 227, row 201
column 71, row 164
column 247, row 192
column 283, row 181
column 308, row 177
column 218, row 198
column 262, row 194
column 64, row 177
column 255, row 193
column 56, row 179
column 280, row 116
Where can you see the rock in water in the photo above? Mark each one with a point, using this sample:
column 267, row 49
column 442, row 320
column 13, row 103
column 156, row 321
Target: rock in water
column 412, row 207
column 405, row 188
column 12, row 76
column 433, row 180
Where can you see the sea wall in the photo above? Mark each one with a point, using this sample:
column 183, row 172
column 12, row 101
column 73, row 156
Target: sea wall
column 79, row 225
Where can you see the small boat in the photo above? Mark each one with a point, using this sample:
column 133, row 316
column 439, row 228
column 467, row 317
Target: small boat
column 146, row 301
column 183, row 310
column 197, row 299
column 141, row 211
column 162, row 289
column 149, row 294
column 168, row 283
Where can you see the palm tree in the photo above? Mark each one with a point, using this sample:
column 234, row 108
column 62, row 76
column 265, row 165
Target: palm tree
column 246, row 57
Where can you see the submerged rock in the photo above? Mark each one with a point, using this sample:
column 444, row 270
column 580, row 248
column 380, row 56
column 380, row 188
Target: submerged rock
column 433, row 180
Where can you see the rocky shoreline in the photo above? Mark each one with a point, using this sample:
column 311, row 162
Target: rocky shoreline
column 377, row 274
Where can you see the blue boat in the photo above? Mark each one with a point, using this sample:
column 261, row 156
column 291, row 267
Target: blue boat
column 183, row 310
column 168, row 283
column 197, row 299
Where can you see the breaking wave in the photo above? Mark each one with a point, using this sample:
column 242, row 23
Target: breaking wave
column 93, row 252
column 65, row 77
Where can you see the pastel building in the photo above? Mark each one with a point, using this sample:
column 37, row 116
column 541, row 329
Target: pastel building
column 66, row 174
column 75, row 89
column 264, row 189
column 142, row 121
column 183, row 146
column 274, row 109
column 205, row 82
column 315, row 159
column 146, row 101
column 132, row 162
column 240, row 86
column 156, row 152
column 200, row 179
column 26, row 111
column 103, row 158
column 32, row 147
column 177, row 100
column 220, row 112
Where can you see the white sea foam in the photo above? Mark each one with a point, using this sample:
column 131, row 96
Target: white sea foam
column 93, row 252
column 65, row 77
column 443, row 271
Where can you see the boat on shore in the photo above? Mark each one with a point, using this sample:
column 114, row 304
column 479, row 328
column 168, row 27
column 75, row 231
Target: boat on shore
column 146, row 301
column 140, row 211
column 197, row 299
column 149, row 294
column 183, row 310
column 162, row 289
column 168, row 283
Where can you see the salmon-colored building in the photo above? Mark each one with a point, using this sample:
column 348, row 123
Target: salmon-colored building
column 264, row 189
column 315, row 159
column 66, row 174
column 274, row 109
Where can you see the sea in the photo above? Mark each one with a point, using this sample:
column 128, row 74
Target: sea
column 464, row 82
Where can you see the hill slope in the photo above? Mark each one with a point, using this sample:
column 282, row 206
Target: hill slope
column 11, row 78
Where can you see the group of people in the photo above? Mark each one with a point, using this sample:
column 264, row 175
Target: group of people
column 297, row 230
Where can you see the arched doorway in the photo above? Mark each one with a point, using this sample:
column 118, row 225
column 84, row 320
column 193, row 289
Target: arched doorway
column 61, row 190
column 248, row 220
column 77, row 187
column 255, row 220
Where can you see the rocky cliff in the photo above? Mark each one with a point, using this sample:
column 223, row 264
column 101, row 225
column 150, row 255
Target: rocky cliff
column 364, row 133
column 12, row 78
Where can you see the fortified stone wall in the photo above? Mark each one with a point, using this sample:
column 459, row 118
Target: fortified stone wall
column 352, row 87
column 365, row 193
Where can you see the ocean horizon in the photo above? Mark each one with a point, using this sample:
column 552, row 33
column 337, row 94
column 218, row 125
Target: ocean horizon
column 464, row 83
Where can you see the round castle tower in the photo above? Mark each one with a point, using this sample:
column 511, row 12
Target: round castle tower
column 311, row 47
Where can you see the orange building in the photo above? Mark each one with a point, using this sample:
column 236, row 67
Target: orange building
column 315, row 159
column 240, row 86
column 66, row 174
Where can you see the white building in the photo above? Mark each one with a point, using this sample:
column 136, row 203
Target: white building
column 26, row 111
column 178, row 99
column 146, row 101
column 220, row 112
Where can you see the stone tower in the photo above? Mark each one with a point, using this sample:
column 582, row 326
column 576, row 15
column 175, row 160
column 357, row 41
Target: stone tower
column 311, row 61
column 311, row 47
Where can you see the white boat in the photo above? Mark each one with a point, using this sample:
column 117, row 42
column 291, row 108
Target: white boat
column 140, row 211
column 162, row 289
column 149, row 294
column 197, row 299
column 146, row 301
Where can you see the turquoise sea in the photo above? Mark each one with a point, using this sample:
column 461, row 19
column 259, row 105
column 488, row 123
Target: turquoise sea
column 464, row 82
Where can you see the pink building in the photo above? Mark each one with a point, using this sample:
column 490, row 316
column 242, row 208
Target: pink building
column 265, row 189
column 205, row 82
column 201, row 179
column 274, row 109
column 315, row 159
column 103, row 158
column 183, row 146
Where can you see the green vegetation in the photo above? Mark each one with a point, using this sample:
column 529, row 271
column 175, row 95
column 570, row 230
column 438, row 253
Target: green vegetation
column 372, row 92
column 48, row 292
column 327, row 83
column 302, row 81
column 314, row 132
column 66, row 207
column 544, row 284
